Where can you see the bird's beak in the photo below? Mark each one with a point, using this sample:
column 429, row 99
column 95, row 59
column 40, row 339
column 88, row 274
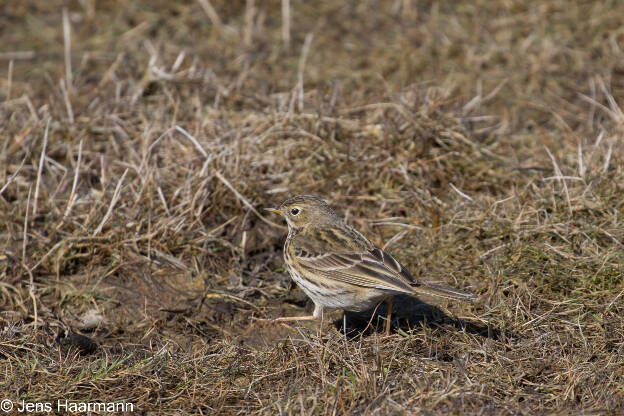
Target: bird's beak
column 273, row 210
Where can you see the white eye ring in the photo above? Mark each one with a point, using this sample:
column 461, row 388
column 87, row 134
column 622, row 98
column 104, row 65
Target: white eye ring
column 294, row 211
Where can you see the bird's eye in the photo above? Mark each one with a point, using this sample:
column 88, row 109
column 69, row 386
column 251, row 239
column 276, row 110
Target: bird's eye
column 294, row 211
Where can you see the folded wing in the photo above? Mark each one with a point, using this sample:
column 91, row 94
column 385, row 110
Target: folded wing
column 355, row 260
column 372, row 268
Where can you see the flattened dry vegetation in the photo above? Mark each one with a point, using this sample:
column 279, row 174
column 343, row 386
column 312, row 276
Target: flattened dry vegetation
column 479, row 142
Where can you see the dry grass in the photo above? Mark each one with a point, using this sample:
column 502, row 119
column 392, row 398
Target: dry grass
column 481, row 142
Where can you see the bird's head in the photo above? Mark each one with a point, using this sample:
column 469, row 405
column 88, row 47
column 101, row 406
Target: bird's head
column 303, row 211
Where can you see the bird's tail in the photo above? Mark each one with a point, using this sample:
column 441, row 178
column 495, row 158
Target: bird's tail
column 444, row 292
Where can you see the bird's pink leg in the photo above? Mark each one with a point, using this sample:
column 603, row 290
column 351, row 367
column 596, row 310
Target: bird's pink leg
column 290, row 319
column 389, row 316
column 318, row 313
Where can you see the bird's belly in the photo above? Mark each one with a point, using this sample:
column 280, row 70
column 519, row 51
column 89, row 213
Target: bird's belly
column 336, row 295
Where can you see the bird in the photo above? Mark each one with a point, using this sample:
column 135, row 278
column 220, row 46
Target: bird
column 339, row 268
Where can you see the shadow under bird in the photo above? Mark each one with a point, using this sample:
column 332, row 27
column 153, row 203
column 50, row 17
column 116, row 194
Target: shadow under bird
column 339, row 268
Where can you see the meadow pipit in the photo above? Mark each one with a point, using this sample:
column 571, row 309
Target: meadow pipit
column 339, row 268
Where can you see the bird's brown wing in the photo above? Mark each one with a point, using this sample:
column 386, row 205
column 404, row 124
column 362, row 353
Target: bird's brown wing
column 347, row 256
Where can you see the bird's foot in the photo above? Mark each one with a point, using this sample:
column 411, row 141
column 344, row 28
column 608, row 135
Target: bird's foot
column 286, row 319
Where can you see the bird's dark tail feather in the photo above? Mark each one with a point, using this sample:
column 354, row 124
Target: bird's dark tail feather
column 444, row 292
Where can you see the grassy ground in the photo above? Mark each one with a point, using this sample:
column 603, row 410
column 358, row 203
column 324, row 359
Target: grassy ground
column 480, row 142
